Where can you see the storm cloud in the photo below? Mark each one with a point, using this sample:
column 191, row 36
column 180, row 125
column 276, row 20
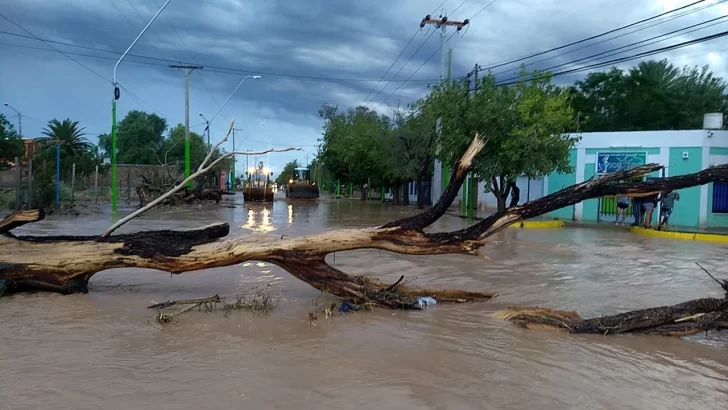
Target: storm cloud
column 309, row 53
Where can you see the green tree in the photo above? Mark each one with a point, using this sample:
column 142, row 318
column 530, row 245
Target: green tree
column 523, row 125
column 139, row 139
column 173, row 148
column 286, row 173
column 414, row 149
column 354, row 145
column 654, row 95
column 11, row 145
column 68, row 134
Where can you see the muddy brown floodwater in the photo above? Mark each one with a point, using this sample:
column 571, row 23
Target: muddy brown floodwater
column 98, row 351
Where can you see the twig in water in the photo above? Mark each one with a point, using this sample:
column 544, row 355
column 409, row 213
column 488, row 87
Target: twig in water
column 723, row 284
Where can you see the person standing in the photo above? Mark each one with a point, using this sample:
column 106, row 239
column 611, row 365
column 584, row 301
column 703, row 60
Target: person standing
column 668, row 201
column 622, row 206
column 637, row 210
column 649, row 203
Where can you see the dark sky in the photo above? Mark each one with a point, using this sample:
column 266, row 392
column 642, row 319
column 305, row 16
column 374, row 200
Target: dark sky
column 308, row 52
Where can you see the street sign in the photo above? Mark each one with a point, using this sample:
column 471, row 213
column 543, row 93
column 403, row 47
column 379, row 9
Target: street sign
column 617, row 161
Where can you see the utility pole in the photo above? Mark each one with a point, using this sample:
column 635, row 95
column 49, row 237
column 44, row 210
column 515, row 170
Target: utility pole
column 117, row 94
column 234, row 157
column 441, row 172
column 188, row 69
column 443, row 23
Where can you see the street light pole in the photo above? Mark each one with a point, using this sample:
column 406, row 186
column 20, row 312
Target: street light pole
column 255, row 77
column 207, row 129
column 117, row 94
column 234, row 158
column 20, row 119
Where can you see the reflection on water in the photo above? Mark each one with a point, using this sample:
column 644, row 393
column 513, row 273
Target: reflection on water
column 98, row 351
column 262, row 224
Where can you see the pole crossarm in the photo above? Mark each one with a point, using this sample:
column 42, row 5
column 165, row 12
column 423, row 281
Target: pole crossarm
column 443, row 22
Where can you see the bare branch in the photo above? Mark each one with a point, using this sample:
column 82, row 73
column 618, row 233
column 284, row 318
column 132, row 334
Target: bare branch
column 204, row 168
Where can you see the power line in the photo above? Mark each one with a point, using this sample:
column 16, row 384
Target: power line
column 403, row 66
column 635, row 45
column 629, row 58
column 590, row 38
column 483, row 9
column 50, row 45
column 441, row 4
column 684, row 13
column 415, row 72
column 458, row 7
column 516, row 80
column 390, row 67
column 163, row 62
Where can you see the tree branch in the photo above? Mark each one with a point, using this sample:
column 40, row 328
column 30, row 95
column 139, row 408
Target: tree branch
column 204, row 168
column 460, row 171
column 20, row 218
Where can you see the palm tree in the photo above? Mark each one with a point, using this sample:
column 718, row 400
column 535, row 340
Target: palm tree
column 69, row 135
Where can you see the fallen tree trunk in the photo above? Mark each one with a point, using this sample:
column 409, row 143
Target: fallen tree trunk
column 684, row 319
column 66, row 263
column 687, row 318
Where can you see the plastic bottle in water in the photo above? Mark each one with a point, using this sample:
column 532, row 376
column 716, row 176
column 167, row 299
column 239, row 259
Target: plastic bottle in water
column 426, row 301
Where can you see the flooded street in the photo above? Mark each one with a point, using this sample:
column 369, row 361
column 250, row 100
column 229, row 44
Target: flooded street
column 99, row 350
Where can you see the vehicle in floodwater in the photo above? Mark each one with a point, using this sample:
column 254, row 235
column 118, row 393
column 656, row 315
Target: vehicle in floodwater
column 258, row 186
column 300, row 185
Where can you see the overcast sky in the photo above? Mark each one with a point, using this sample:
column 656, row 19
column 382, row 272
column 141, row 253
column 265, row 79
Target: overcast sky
column 308, row 52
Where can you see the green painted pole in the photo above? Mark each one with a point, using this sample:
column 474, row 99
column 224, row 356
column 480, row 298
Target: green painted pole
column 382, row 194
column 338, row 189
column 351, row 189
column 369, row 189
column 445, row 177
column 464, row 198
column 113, row 157
column 187, row 162
column 470, row 199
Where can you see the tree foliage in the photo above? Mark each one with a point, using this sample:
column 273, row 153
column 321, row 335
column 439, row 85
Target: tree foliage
column 285, row 175
column 139, row 138
column 524, row 126
column 654, row 95
column 11, row 145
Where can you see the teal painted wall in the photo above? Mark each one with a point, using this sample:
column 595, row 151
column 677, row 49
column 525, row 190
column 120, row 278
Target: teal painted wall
column 594, row 151
column 589, row 211
column 687, row 209
column 715, row 220
column 718, row 151
column 591, row 206
column 559, row 181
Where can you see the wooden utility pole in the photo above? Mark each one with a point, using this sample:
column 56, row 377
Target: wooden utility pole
column 188, row 69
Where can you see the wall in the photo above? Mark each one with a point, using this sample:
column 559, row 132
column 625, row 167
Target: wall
column 687, row 209
column 718, row 156
column 590, row 208
column 488, row 201
column 558, row 181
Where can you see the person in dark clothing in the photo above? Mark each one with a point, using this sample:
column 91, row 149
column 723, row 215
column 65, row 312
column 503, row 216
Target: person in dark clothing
column 637, row 210
column 515, row 194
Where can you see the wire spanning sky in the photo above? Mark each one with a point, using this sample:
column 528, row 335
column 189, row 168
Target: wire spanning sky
column 309, row 53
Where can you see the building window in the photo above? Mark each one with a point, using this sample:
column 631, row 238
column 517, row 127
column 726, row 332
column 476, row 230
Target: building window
column 720, row 198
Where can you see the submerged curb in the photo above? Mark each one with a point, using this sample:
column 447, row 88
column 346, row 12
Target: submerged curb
column 539, row 225
column 685, row 236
